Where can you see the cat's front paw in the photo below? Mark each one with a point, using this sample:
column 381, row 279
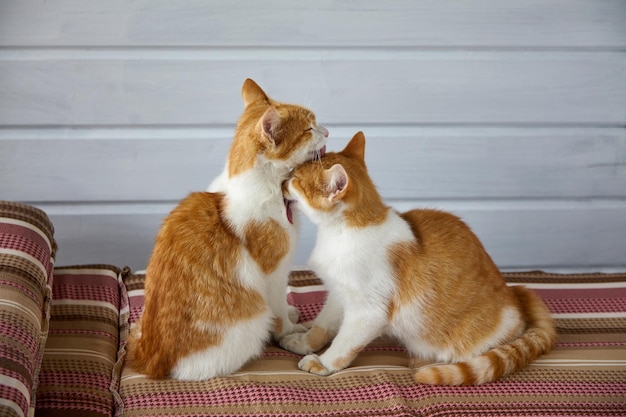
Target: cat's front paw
column 296, row 343
column 314, row 365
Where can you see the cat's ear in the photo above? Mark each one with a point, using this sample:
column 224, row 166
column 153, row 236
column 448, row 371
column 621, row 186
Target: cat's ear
column 251, row 92
column 271, row 125
column 355, row 149
column 336, row 182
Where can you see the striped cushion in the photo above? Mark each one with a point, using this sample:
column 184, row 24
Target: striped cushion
column 80, row 369
column 27, row 252
column 584, row 375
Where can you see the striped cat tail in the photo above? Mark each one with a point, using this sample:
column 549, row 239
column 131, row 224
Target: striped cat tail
column 538, row 339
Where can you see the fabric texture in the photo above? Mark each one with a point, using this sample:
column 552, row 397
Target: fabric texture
column 80, row 368
column 27, row 251
column 584, row 375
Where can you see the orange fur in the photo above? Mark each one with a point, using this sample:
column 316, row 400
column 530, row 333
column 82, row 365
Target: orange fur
column 189, row 277
column 442, row 278
column 216, row 254
column 267, row 243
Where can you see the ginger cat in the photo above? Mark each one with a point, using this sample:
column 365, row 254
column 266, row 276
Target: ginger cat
column 216, row 281
column 421, row 276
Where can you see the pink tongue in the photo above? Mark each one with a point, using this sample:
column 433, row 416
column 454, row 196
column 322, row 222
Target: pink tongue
column 323, row 151
column 288, row 210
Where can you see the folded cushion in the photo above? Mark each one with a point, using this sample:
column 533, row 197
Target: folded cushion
column 79, row 373
column 27, row 252
column 584, row 375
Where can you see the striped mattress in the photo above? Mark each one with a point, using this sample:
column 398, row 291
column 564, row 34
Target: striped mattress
column 584, row 375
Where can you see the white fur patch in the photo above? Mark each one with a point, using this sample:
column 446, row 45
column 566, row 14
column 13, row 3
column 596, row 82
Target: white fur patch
column 219, row 184
column 249, row 273
column 241, row 342
column 355, row 255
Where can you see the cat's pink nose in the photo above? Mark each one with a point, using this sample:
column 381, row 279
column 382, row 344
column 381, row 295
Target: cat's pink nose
column 323, row 130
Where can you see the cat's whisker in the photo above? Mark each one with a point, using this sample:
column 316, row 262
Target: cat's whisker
column 308, row 100
column 319, row 158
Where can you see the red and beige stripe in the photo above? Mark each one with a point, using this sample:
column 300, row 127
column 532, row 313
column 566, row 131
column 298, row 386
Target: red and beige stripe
column 27, row 252
column 578, row 376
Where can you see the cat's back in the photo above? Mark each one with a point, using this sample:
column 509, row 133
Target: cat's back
column 439, row 229
column 446, row 244
column 428, row 223
column 197, row 209
column 195, row 234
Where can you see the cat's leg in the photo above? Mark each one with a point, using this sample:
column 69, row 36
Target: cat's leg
column 322, row 330
column 359, row 327
column 293, row 313
column 277, row 300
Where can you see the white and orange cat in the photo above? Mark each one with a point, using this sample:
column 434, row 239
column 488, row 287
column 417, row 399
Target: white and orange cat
column 422, row 277
column 215, row 284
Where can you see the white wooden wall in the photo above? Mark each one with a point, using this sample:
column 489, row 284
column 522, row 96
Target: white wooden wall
column 511, row 114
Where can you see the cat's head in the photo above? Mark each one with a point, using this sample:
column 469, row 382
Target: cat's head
column 270, row 132
column 336, row 187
